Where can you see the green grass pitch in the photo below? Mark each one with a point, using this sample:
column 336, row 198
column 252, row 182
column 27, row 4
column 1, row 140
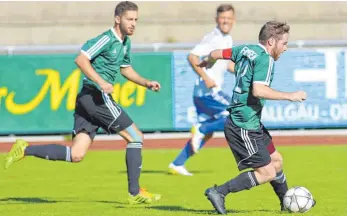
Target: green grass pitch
column 98, row 185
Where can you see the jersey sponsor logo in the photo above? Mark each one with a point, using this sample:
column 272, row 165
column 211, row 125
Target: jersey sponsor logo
column 125, row 50
column 249, row 53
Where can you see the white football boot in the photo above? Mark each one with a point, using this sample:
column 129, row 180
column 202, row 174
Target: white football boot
column 178, row 170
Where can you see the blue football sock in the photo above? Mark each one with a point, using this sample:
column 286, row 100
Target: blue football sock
column 186, row 153
column 205, row 128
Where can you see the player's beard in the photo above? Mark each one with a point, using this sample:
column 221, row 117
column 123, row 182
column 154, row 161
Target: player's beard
column 126, row 30
column 276, row 53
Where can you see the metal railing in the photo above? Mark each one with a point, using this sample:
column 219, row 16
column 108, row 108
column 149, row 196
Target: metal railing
column 155, row 47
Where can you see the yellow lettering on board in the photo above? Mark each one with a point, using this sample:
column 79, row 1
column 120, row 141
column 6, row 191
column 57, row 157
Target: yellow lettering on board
column 3, row 93
column 140, row 95
column 69, row 88
column 58, row 92
column 20, row 109
column 128, row 94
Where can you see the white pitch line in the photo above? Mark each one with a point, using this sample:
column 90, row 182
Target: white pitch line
column 178, row 135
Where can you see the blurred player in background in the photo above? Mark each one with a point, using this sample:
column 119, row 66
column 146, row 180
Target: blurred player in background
column 101, row 59
column 250, row 142
column 209, row 99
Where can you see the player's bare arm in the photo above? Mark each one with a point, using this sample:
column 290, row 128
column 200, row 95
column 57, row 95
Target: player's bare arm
column 194, row 61
column 132, row 75
column 214, row 56
column 86, row 67
column 265, row 92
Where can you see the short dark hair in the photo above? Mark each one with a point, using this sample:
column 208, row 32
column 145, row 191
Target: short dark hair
column 273, row 29
column 125, row 6
column 225, row 7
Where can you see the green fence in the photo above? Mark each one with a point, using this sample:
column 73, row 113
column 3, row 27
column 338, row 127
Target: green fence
column 37, row 93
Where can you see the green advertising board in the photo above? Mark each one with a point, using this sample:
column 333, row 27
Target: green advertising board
column 37, row 93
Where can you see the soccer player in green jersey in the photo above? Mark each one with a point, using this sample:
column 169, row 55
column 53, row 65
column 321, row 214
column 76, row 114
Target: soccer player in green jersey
column 249, row 141
column 101, row 59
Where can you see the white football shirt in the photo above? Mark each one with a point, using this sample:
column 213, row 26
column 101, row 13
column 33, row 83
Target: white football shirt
column 213, row 40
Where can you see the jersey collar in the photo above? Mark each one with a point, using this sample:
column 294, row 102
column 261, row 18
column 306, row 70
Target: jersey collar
column 116, row 35
column 262, row 46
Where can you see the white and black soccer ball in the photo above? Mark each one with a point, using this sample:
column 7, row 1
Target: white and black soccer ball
column 298, row 200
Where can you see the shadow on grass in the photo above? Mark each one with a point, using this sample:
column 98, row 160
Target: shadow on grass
column 26, row 200
column 165, row 172
column 171, row 208
column 201, row 211
column 37, row 200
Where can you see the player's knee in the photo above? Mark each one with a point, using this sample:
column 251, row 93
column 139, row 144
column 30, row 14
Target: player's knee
column 270, row 174
column 141, row 137
column 80, row 147
column 267, row 173
column 277, row 162
column 77, row 156
column 137, row 137
column 132, row 134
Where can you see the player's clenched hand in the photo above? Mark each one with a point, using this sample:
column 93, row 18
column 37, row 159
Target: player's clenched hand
column 153, row 85
column 106, row 87
column 203, row 63
column 210, row 83
column 298, row 96
column 207, row 62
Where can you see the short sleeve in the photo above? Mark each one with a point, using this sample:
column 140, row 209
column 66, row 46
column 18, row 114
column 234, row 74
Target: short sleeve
column 262, row 69
column 93, row 47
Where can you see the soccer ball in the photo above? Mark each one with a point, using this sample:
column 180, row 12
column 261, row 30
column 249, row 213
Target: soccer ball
column 298, row 200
